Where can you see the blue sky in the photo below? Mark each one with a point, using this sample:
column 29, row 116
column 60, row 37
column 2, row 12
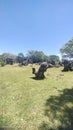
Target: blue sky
column 43, row 25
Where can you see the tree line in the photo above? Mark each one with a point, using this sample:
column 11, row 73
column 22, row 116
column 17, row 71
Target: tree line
column 37, row 56
column 32, row 57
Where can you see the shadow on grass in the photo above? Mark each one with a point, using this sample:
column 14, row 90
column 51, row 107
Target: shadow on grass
column 37, row 78
column 59, row 111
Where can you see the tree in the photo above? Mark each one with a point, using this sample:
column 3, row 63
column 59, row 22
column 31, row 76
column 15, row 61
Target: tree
column 54, row 59
column 2, row 63
column 8, row 58
column 67, row 50
column 20, row 58
column 36, row 56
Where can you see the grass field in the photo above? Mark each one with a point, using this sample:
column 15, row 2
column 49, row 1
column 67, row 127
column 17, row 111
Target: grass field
column 29, row 104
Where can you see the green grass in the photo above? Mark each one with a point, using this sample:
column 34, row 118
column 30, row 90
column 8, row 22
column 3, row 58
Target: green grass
column 30, row 104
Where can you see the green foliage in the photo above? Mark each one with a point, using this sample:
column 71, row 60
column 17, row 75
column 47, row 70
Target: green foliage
column 36, row 56
column 2, row 63
column 54, row 59
column 20, row 58
column 8, row 58
column 67, row 49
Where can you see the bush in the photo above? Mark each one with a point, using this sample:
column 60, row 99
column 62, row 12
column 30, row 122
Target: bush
column 2, row 63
